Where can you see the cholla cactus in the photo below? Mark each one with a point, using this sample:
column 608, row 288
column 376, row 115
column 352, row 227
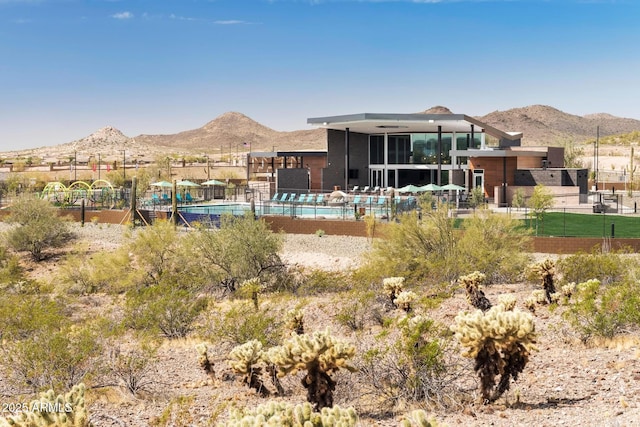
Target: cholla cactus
column 251, row 288
column 530, row 302
column 205, row 363
column 295, row 321
column 508, row 301
column 500, row 342
column 545, row 270
column 320, row 355
column 55, row 411
column 392, row 287
column 475, row 296
column 285, row 414
column 418, row 418
column 405, row 299
column 243, row 359
column 568, row 289
column 539, row 296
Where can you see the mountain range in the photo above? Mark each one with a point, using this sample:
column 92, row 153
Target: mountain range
column 540, row 125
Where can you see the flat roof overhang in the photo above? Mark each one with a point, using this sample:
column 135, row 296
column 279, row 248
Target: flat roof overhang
column 376, row 123
column 498, row 153
column 268, row 154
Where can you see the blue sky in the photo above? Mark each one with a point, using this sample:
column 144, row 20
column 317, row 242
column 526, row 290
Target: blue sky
column 70, row 67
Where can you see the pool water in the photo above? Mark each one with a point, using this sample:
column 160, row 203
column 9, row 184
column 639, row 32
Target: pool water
column 286, row 209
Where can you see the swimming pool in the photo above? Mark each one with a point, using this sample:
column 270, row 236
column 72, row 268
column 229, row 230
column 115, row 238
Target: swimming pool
column 285, row 209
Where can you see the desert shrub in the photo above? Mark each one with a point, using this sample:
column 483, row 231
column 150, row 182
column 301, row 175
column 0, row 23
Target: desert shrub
column 608, row 267
column 11, row 273
column 56, row 359
column 493, row 244
column 134, row 367
column 409, row 369
column 318, row 282
column 242, row 323
column 109, row 272
column 37, row 227
column 164, row 309
column 243, row 248
column 432, row 251
column 162, row 256
column 420, row 251
column 22, row 316
column 357, row 313
column 604, row 311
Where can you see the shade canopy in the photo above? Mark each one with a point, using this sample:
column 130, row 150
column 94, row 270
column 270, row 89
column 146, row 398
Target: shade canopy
column 213, row 182
column 453, row 187
column 187, row 183
column 430, row 187
column 409, row 189
column 164, row 184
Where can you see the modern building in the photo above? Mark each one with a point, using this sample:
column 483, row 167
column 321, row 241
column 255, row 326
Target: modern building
column 394, row 150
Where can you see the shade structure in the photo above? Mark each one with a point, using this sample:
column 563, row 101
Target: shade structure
column 430, row 187
column 453, row 187
column 187, row 183
column 214, row 182
column 409, row 189
column 163, row 184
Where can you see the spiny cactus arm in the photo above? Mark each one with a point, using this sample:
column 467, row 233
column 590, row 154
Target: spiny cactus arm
column 55, row 411
column 475, row 279
column 284, row 414
column 244, row 356
column 508, row 301
column 205, row 363
column 418, row 418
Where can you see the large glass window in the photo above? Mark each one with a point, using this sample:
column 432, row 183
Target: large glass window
column 463, row 140
column 376, row 149
column 425, row 148
column 399, row 151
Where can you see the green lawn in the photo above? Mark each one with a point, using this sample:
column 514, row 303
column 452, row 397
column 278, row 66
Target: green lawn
column 586, row 225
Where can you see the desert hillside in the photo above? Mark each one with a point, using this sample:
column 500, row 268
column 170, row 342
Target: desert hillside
column 541, row 125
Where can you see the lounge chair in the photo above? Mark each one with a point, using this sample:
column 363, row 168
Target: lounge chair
column 376, row 189
column 382, row 200
column 165, row 199
column 189, row 198
column 366, row 189
column 284, row 197
column 155, row 199
column 356, row 189
column 301, row 198
column 356, row 200
column 292, row 197
column 320, row 199
column 275, row 197
column 179, row 198
column 369, row 200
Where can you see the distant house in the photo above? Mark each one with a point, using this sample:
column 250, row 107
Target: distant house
column 394, row 150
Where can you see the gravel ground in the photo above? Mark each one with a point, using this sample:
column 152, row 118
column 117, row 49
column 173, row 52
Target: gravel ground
column 565, row 383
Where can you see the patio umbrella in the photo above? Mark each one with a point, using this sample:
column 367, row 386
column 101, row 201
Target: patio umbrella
column 214, row 182
column 430, row 187
column 187, row 183
column 453, row 187
column 409, row 189
column 163, row 184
